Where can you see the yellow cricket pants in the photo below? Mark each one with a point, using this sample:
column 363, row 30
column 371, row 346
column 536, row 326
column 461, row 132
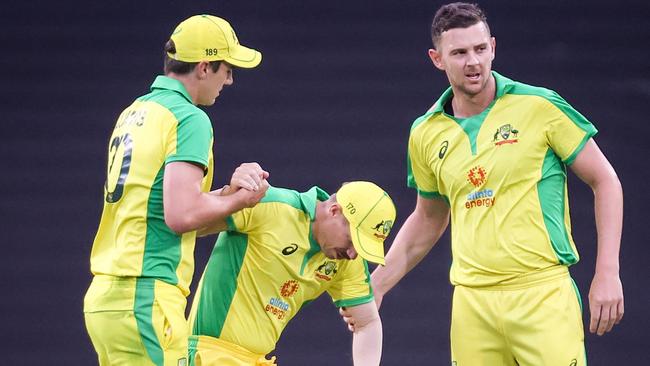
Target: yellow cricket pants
column 136, row 321
column 210, row 351
column 526, row 324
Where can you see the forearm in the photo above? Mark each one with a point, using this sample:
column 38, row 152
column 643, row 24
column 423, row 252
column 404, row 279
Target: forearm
column 220, row 224
column 367, row 344
column 414, row 240
column 608, row 207
column 207, row 209
column 606, row 304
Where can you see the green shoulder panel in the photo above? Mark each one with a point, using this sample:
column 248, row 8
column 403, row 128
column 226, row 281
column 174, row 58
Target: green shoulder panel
column 283, row 195
column 572, row 114
column 559, row 102
column 305, row 201
column 194, row 134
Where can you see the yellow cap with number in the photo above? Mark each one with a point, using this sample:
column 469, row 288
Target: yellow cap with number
column 210, row 38
column 371, row 214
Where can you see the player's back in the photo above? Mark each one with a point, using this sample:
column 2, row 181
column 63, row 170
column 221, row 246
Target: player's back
column 133, row 239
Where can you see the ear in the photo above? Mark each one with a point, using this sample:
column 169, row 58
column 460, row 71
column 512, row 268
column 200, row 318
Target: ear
column 493, row 42
column 436, row 58
column 335, row 209
column 201, row 70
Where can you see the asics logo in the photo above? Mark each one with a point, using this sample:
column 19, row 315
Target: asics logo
column 290, row 249
column 443, row 149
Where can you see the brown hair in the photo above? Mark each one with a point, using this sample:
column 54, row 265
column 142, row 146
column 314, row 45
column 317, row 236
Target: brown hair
column 181, row 67
column 456, row 15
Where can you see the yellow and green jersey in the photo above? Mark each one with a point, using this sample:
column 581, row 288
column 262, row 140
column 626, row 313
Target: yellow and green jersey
column 133, row 239
column 503, row 174
column 266, row 267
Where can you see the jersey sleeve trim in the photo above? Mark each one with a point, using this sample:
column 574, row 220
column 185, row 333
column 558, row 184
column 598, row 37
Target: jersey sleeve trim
column 429, row 195
column 188, row 158
column 574, row 155
column 230, row 222
column 356, row 301
column 433, row 196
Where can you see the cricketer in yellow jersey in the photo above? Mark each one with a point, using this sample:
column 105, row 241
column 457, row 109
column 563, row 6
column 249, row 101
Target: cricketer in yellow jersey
column 157, row 195
column 493, row 152
column 272, row 259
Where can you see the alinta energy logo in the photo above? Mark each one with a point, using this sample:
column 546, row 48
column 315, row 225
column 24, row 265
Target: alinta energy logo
column 481, row 197
column 277, row 307
column 506, row 134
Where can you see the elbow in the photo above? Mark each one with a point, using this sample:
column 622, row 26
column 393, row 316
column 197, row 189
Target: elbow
column 373, row 323
column 607, row 182
column 179, row 224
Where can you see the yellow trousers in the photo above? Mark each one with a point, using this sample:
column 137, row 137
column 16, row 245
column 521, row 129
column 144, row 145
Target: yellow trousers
column 537, row 325
column 210, row 351
column 136, row 321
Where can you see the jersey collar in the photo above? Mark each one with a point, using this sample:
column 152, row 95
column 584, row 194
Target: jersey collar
column 165, row 82
column 308, row 200
column 503, row 85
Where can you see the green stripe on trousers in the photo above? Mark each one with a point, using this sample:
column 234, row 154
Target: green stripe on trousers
column 143, row 309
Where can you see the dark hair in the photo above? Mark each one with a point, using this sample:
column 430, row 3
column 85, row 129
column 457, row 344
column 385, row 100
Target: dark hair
column 181, row 67
column 456, row 15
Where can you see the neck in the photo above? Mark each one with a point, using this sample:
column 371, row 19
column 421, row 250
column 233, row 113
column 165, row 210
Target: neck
column 188, row 82
column 466, row 105
column 315, row 227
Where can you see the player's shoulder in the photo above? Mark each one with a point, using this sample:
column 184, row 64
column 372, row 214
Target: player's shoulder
column 535, row 92
column 430, row 117
column 427, row 126
column 186, row 112
column 282, row 195
column 284, row 199
column 434, row 114
column 183, row 110
column 279, row 200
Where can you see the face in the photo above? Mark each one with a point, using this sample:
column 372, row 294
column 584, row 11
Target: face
column 213, row 82
column 334, row 237
column 465, row 55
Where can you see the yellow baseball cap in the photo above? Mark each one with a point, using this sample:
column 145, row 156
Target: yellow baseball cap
column 209, row 38
column 371, row 214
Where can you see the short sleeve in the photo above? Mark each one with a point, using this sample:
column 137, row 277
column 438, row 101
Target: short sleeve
column 351, row 286
column 193, row 140
column 567, row 131
column 246, row 220
column 419, row 174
